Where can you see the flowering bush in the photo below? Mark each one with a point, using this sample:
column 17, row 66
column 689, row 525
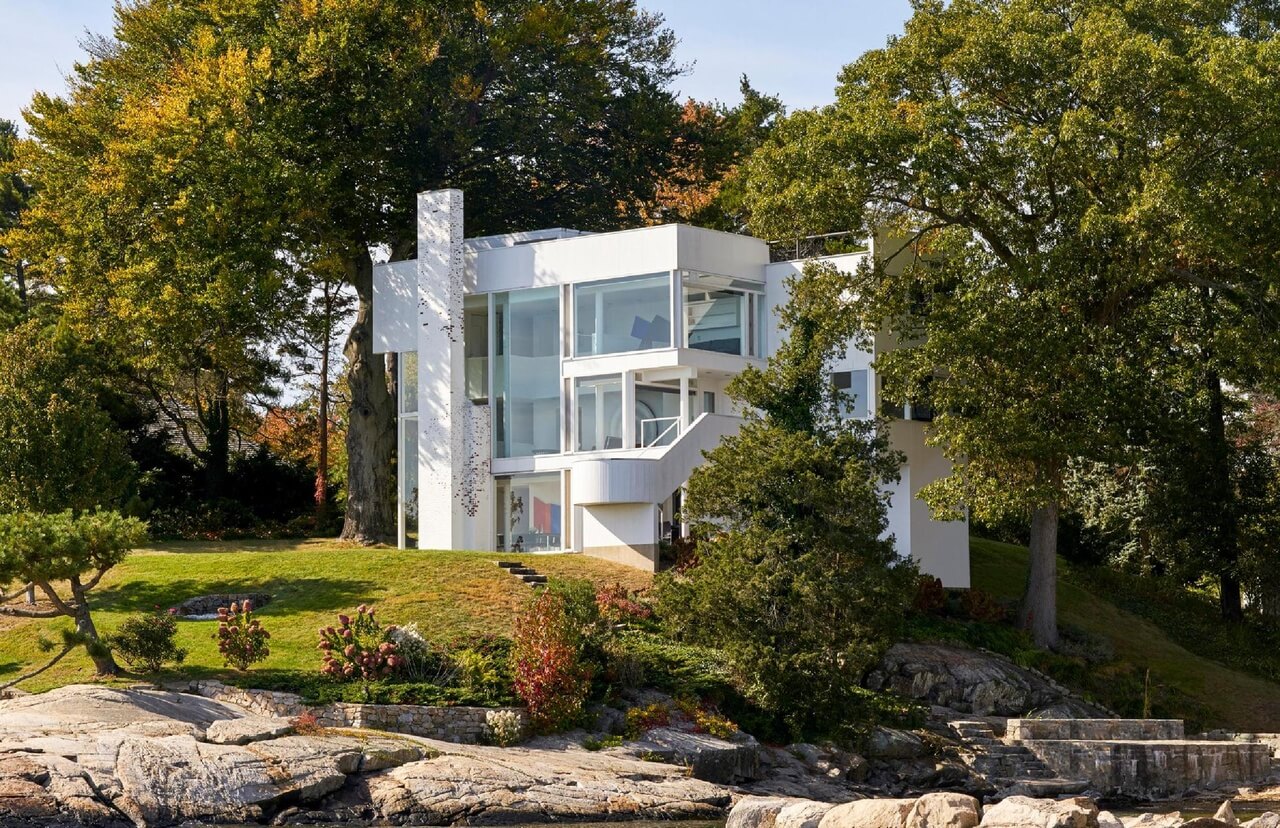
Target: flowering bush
column 147, row 640
column 617, row 606
column 550, row 676
column 420, row 660
column 503, row 727
column 242, row 639
column 359, row 647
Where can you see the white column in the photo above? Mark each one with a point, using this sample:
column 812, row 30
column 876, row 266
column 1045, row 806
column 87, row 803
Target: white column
column 629, row 435
column 684, row 403
column 441, row 371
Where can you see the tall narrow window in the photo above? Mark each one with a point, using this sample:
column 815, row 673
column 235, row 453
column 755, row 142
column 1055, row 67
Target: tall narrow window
column 475, row 345
column 526, row 372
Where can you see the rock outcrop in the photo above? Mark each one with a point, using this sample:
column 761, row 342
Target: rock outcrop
column 973, row 682
column 114, row 758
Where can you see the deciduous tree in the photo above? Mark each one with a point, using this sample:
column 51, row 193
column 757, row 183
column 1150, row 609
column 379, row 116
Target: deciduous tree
column 1077, row 167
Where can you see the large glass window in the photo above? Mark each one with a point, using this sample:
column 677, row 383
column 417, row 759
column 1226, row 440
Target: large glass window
column 526, row 372
column 720, row 316
column 529, row 514
column 853, row 397
column 657, row 414
column 598, row 403
column 622, row 315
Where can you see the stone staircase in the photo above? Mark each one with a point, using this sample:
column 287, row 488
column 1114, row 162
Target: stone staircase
column 527, row 574
column 1010, row 768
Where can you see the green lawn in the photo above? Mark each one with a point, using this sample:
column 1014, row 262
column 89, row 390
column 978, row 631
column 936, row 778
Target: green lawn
column 446, row 593
column 1228, row 697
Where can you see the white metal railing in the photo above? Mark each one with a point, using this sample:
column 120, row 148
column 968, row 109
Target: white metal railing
column 671, row 431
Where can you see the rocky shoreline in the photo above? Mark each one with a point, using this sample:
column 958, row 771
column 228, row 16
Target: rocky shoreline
column 132, row 758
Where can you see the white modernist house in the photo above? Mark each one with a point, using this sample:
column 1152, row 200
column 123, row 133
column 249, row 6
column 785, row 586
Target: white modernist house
column 556, row 388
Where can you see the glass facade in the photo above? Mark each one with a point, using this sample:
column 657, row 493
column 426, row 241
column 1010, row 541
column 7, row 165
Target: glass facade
column 853, row 400
column 598, row 408
column 528, row 512
column 622, row 315
column 721, row 315
column 526, row 372
column 657, row 414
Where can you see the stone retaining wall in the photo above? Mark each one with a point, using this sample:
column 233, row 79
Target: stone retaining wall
column 1124, row 730
column 1156, row 769
column 462, row 725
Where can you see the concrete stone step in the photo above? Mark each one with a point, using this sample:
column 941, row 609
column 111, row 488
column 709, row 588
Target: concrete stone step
column 522, row 570
column 510, row 564
column 1039, row 788
column 534, row 579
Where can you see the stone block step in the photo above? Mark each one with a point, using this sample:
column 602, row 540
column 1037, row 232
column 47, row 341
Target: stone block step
column 1040, row 788
column 523, row 570
column 510, row 564
column 534, row 579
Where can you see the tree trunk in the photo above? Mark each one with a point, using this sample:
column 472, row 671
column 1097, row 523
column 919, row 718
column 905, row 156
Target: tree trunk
column 21, row 274
column 1222, row 495
column 1039, row 614
column 103, row 663
column 322, row 454
column 215, row 420
column 371, row 430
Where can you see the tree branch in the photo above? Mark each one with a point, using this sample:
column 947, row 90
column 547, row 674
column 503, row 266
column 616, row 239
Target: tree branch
column 27, row 612
column 93, row 582
column 63, row 606
column 6, row 598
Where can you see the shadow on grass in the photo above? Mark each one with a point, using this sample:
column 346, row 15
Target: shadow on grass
column 288, row 594
column 204, row 547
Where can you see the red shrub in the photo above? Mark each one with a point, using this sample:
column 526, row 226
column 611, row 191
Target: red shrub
column 982, row 606
column 930, row 598
column 549, row 674
column 617, row 606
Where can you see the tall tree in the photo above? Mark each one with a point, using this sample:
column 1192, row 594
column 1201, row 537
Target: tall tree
column 1076, row 165
column 704, row 185
column 320, row 120
column 14, row 194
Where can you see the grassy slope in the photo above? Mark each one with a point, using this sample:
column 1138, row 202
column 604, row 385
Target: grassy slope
column 446, row 593
column 1231, row 698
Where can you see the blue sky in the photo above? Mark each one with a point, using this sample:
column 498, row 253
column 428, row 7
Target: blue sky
column 793, row 49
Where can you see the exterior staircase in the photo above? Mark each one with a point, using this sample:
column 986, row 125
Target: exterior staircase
column 526, row 574
column 1010, row 768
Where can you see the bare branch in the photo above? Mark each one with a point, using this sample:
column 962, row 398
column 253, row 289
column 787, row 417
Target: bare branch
column 63, row 606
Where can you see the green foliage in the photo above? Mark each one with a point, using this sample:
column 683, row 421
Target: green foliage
column 47, row 548
column 1089, row 193
column 241, row 638
column 147, row 640
column 58, row 446
column 795, row 584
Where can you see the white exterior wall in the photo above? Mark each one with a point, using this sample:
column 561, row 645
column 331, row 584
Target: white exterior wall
column 610, row 499
column 442, row 398
column 626, row 533
column 940, row 547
